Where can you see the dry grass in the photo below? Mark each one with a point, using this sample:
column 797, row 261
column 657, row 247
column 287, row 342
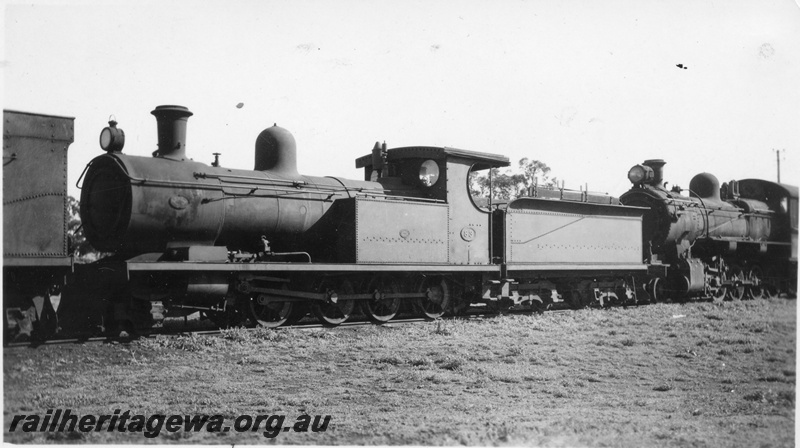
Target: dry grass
column 662, row 375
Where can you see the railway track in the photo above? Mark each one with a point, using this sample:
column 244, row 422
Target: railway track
column 478, row 315
column 361, row 322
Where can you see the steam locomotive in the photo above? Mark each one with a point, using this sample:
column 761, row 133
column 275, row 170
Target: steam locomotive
column 268, row 246
column 721, row 241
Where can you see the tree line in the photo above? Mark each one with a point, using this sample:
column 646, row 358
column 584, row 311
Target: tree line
column 513, row 183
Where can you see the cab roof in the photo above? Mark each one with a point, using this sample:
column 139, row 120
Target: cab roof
column 436, row 153
column 762, row 186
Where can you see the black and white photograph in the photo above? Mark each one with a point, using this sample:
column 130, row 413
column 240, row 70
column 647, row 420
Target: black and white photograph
column 416, row 223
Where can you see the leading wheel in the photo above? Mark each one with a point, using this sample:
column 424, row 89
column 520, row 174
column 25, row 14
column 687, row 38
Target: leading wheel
column 437, row 297
column 380, row 308
column 332, row 313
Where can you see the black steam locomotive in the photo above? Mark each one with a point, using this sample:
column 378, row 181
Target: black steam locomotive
column 721, row 241
column 269, row 245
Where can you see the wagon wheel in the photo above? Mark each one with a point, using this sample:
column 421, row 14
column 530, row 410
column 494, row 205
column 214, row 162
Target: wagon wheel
column 437, row 297
column 756, row 277
column 268, row 312
column 735, row 292
column 379, row 308
column 332, row 314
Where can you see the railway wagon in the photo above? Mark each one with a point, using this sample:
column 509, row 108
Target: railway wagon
column 36, row 257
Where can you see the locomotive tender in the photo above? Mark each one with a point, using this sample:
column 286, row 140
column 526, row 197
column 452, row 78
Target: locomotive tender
column 268, row 245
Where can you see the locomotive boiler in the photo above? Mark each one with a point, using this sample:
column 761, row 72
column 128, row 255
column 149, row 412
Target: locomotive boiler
column 721, row 240
column 135, row 205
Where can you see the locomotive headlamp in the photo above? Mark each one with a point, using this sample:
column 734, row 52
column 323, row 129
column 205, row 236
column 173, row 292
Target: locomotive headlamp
column 428, row 173
column 112, row 139
column 640, row 174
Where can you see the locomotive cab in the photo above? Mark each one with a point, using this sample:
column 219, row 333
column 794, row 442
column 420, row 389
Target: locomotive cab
column 439, row 175
column 426, row 171
column 782, row 200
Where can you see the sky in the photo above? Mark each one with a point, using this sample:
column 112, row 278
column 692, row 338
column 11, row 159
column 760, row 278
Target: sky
column 591, row 88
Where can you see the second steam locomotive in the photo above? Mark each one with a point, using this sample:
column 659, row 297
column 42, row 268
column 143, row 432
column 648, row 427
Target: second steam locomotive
column 269, row 245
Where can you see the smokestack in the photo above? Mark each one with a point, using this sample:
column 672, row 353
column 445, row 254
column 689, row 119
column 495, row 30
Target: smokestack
column 658, row 171
column 171, row 121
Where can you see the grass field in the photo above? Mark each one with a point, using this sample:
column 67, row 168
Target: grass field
column 660, row 375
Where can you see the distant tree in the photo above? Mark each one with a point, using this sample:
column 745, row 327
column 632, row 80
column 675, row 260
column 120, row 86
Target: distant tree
column 537, row 173
column 532, row 169
column 78, row 244
column 504, row 185
column 509, row 184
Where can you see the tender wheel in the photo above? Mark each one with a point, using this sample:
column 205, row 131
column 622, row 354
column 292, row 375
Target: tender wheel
column 756, row 290
column 736, row 275
column 655, row 288
column 332, row 314
column 642, row 295
column 437, row 297
column 577, row 299
column 268, row 312
column 546, row 296
column 381, row 309
column 604, row 298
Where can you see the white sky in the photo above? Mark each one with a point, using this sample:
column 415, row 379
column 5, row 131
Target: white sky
column 589, row 87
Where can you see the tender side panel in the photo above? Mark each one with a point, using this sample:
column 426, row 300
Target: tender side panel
column 401, row 232
column 35, row 209
column 547, row 232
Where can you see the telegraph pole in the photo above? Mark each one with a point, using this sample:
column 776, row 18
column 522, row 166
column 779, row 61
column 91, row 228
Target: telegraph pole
column 778, row 158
